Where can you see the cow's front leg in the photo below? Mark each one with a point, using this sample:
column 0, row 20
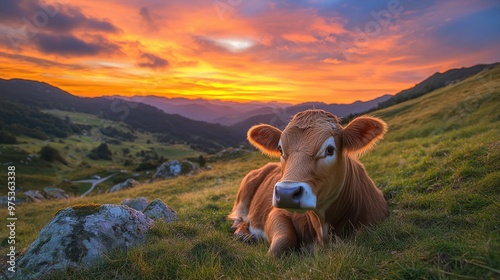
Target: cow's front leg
column 242, row 231
column 280, row 232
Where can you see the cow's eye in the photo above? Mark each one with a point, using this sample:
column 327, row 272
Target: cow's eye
column 280, row 150
column 329, row 151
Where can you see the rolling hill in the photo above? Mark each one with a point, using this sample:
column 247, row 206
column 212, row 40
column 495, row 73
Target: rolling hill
column 436, row 81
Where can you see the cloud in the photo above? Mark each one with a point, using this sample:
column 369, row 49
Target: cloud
column 51, row 18
column 147, row 19
column 330, row 61
column 69, row 45
column 149, row 60
column 45, row 63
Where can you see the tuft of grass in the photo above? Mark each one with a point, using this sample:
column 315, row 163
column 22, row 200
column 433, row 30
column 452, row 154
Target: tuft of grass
column 83, row 209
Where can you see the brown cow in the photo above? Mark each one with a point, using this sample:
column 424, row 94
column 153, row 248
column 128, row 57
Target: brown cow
column 319, row 188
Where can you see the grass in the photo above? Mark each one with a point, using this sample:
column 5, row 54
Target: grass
column 440, row 174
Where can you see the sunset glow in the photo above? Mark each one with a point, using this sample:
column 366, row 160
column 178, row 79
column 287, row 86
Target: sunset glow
column 290, row 51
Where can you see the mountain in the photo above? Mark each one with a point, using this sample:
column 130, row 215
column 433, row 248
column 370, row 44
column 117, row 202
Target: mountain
column 234, row 113
column 200, row 135
column 212, row 111
column 280, row 117
column 436, row 81
column 340, row 110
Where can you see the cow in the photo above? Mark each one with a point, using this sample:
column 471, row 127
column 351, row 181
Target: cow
column 318, row 189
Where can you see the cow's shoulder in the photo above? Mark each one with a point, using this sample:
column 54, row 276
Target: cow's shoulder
column 252, row 185
column 258, row 175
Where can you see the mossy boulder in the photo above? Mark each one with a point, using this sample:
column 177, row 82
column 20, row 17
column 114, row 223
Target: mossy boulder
column 80, row 235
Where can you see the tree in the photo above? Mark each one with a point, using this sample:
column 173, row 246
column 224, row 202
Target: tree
column 202, row 161
column 101, row 152
column 50, row 154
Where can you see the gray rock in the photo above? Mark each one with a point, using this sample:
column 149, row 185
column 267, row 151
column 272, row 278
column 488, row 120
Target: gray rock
column 191, row 168
column 138, row 204
column 54, row 193
column 169, row 169
column 129, row 183
column 4, row 200
column 34, row 195
column 157, row 210
column 81, row 235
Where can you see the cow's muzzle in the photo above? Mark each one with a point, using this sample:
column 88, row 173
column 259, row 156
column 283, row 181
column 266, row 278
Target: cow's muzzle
column 293, row 195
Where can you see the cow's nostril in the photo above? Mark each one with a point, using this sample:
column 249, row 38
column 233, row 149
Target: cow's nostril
column 297, row 195
column 276, row 194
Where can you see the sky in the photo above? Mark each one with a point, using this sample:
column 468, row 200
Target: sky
column 337, row 51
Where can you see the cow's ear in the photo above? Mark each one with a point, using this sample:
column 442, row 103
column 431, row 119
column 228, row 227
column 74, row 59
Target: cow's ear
column 362, row 134
column 265, row 138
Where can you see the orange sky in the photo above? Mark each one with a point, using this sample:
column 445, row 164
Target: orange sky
column 289, row 51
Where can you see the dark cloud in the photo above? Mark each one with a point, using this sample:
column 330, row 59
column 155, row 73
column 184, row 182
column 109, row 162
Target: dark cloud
column 56, row 18
column 148, row 20
column 70, row 18
column 40, row 61
column 69, row 45
column 149, row 60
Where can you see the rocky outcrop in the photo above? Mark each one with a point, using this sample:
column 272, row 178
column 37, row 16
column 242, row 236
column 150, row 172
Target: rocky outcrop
column 54, row 193
column 189, row 168
column 158, row 210
column 170, row 169
column 129, row 183
column 175, row 168
column 139, row 203
column 80, row 235
column 35, row 196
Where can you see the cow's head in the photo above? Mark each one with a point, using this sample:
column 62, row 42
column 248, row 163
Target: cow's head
column 314, row 149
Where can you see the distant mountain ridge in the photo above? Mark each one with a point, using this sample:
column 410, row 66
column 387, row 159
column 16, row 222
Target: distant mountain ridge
column 213, row 111
column 232, row 113
column 280, row 118
column 34, row 96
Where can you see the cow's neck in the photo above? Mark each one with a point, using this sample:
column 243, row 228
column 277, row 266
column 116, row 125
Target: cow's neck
column 349, row 210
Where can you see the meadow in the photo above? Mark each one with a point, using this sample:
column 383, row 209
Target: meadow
column 438, row 167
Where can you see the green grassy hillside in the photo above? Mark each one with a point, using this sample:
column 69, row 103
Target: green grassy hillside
column 129, row 149
column 438, row 166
